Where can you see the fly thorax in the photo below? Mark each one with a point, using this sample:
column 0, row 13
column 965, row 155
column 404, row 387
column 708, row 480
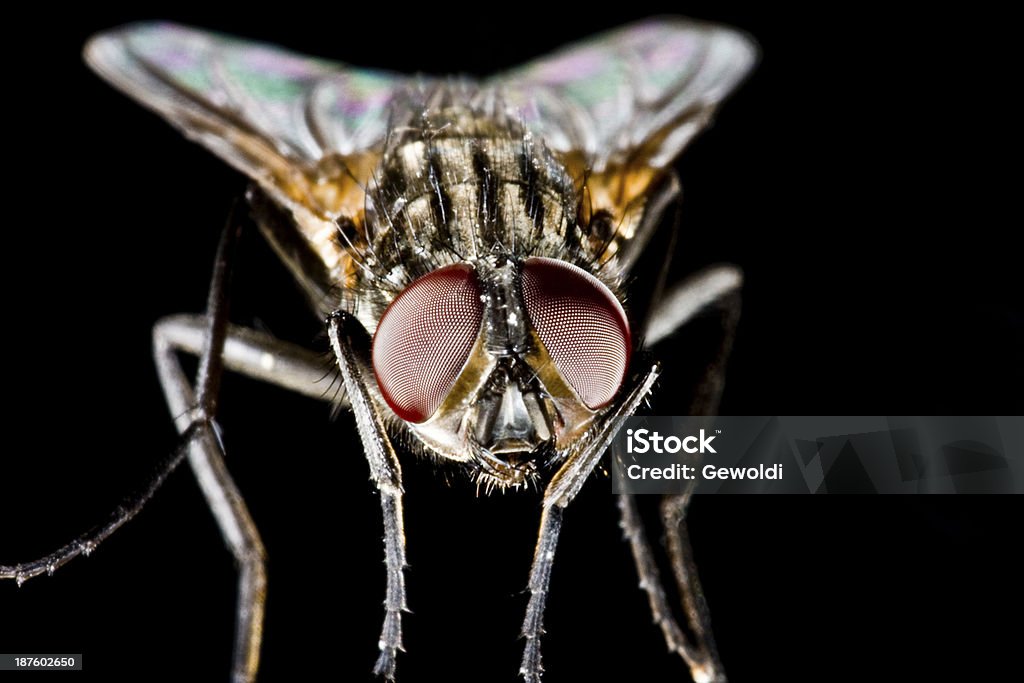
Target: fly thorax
column 460, row 185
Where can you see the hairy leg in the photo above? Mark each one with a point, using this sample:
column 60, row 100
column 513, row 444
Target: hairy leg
column 716, row 286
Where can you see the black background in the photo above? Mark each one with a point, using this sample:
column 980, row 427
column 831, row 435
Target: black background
column 845, row 178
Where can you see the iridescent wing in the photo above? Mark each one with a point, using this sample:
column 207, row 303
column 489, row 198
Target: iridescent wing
column 272, row 114
column 621, row 106
column 630, row 97
column 618, row 108
column 642, row 90
column 309, row 131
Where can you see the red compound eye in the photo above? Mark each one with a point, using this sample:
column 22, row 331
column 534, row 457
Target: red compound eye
column 424, row 338
column 582, row 325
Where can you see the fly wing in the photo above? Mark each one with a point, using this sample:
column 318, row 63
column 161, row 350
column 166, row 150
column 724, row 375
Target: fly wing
column 309, row 131
column 643, row 90
column 271, row 113
column 618, row 107
column 621, row 106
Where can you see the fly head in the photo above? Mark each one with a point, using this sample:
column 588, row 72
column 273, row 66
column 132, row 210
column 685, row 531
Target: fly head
column 502, row 363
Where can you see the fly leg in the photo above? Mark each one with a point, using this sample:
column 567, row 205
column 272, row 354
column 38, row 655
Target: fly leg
column 260, row 356
column 351, row 343
column 90, row 540
column 194, row 411
column 567, row 482
column 250, row 352
column 699, row 654
column 246, row 351
column 717, row 285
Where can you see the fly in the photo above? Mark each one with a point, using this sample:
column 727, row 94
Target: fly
column 469, row 244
